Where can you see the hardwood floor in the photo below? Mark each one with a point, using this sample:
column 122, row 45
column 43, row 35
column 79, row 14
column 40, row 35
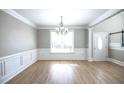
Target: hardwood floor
column 70, row 72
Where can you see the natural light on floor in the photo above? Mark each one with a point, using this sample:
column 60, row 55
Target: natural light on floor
column 62, row 72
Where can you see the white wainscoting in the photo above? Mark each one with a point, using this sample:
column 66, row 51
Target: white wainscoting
column 79, row 54
column 116, row 46
column 116, row 61
column 12, row 65
column 0, row 70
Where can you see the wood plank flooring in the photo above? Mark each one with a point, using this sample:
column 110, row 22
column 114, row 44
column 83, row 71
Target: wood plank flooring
column 71, row 72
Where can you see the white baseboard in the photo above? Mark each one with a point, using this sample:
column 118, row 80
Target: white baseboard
column 16, row 63
column 116, row 61
column 79, row 54
column 104, row 59
column 90, row 60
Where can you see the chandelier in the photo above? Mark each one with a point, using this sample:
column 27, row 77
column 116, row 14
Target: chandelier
column 61, row 29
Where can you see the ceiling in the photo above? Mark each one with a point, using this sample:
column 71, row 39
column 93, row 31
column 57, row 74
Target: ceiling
column 45, row 17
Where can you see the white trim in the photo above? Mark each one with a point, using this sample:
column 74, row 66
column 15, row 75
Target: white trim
column 90, row 45
column 79, row 54
column 121, row 49
column 104, row 59
column 93, row 48
column 90, row 60
column 106, row 15
column 16, row 63
column 116, row 46
column 12, row 55
column 10, row 76
column 19, row 17
column 116, row 61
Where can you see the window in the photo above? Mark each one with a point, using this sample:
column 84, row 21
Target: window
column 99, row 43
column 62, row 43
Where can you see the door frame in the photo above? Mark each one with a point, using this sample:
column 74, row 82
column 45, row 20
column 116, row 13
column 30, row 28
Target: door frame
column 93, row 58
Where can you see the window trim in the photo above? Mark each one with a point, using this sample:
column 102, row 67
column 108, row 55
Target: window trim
column 62, row 52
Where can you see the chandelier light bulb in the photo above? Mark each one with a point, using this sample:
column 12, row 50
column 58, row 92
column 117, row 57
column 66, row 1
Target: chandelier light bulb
column 61, row 29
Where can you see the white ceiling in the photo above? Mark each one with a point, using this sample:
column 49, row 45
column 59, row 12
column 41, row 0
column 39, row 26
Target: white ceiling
column 42, row 17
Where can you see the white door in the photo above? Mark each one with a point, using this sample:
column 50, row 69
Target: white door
column 100, row 46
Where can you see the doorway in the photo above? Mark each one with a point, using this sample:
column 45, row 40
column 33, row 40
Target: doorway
column 100, row 46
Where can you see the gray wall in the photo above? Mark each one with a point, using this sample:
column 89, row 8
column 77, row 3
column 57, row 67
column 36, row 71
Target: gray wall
column 80, row 38
column 113, row 24
column 15, row 36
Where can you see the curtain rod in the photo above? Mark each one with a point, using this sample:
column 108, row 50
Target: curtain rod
column 122, row 42
column 116, row 32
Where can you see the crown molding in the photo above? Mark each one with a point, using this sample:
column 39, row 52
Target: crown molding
column 103, row 17
column 106, row 15
column 19, row 17
column 69, row 27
